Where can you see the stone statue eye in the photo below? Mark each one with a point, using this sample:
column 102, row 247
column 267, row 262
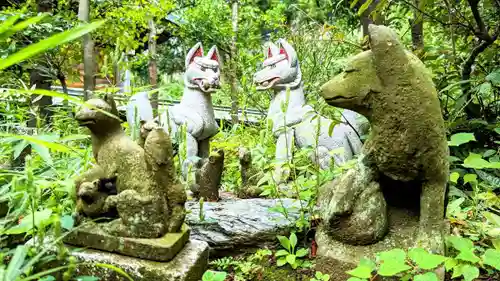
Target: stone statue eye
column 272, row 66
column 203, row 68
column 348, row 70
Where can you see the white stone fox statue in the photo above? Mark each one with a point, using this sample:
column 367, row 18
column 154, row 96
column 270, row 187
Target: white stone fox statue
column 195, row 109
column 281, row 71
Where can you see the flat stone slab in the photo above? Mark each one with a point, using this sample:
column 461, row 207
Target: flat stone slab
column 335, row 258
column 188, row 265
column 239, row 223
column 157, row 249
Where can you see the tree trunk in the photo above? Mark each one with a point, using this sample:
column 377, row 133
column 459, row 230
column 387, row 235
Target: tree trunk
column 153, row 69
column 88, row 52
column 417, row 28
column 233, row 64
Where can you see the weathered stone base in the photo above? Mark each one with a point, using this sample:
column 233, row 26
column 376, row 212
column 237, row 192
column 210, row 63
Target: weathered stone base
column 160, row 249
column 188, row 265
column 335, row 258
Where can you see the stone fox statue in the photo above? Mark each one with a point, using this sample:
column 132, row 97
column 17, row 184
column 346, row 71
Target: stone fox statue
column 405, row 156
column 281, row 70
column 195, row 109
column 141, row 184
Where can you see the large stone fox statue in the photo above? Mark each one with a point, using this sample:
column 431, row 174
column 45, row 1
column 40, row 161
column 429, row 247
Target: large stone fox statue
column 281, row 71
column 404, row 161
column 195, row 109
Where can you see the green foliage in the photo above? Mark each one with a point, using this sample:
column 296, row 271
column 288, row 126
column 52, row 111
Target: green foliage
column 210, row 275
column 290, row 255
column 419, row 264
column 318, row 276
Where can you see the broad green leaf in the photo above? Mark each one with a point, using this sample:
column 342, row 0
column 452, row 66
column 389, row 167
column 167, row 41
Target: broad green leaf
column 492, row 258
column 489, row 152
column 293, row 241
column 454, row 177
column 470, row 178
column 494, row 77
column 281, row 261
column 363, row 270
column 461, row 138
column 357, row 279
column 301, row 252
column 470, row 272
column 43, row 152
column 450, row 263
column 67, row 222
column 468, row 256
column 49, row 43
column 27, row 222
column 429, row 276
column 52, row 278
column 284, row 242
column 492, row 218
column 475, row 161
column 280, row 253
column 454, row 206
column 496, row 243
column 391, row 268
column 290, row 259
column 210, row 275
column 424, row 259
column 14, row 268
column 395, row 254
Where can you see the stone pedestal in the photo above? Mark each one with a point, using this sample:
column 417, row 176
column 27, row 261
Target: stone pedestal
column 335, row 258
column 159, row 249
column 188, row 265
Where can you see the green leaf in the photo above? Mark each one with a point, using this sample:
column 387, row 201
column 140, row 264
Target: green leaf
column 290, row 259
column 424, row 259
column 27, row 222
column 429, row 276
column 293, row 241
column 494, row 77
column 454, row 177
column 470, row 272
column 281, row 261
column 284, row 242
column 302, row 252
column 67, row 222
column 496, row 243
column 461, row 138
column 43, row 152
column 52, row 278
column 460, row 243
column 392, row 262
column 365, row 6
column 211, row 275
column 20, row 26
column 489, row 152
column 475, row 161
column 364, row 269
column 492, row 218
column 492, row 258
column 470, row 178
column 331, row 127
column 450, row 264
column 86, row 278
column 49, row 43
column 281, row 253
column 468, row 256
column 14, row 269
column 356, row 279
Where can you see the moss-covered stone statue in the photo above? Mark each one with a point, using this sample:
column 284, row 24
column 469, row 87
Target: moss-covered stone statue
column 136, row 187
column 249, row 175
column 395, row 195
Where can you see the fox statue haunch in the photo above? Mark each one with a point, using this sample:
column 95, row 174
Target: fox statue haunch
column 195, row 109
column 138, row 182
column 405, row 156
column 281, row 72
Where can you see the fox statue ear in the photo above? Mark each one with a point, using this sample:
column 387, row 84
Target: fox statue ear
column 286, row 49
column 108, row 98
column 213, row 54
column 271, row 50
column 389, row 53
column 196, row 51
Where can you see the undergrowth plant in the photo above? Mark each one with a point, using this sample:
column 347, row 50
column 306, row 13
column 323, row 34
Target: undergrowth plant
column 291, row 254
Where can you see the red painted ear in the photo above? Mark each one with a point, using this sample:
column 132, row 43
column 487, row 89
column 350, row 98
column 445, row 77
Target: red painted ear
column 269, row 53
column 198, row 53
column 215, row 57
column 283, row 52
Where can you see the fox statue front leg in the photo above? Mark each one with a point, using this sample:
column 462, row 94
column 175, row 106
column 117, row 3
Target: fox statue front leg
column 283, row 155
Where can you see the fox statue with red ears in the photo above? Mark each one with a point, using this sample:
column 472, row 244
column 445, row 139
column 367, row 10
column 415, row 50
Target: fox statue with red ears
column 281, row 72
column 201, row 79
